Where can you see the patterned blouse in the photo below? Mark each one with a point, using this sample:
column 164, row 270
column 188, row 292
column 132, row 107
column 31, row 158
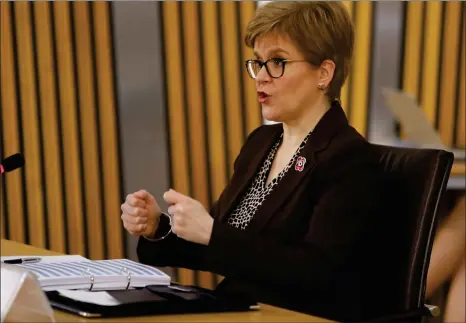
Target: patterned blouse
column 258, row 191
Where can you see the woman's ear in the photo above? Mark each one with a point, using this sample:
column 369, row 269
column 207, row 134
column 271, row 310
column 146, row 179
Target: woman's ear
column 327, row 69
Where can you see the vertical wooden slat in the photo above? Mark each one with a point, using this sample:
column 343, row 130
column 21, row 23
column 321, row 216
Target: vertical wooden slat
column 413, row 40
column 173, row 58
column 447, row 86
column 10, row 128
column 87, row 114
column 361, row 67
column 179, row 157
column 30, row 125
column 51, row 144
column 2, row 210
column 68, row 108
column 344, row 90
column 461, row 120
column 231, row 79
column 109, row 131
column 253, row 110
column 195, row 107
column 213, row 85
column 431, row 53
column 195, row 101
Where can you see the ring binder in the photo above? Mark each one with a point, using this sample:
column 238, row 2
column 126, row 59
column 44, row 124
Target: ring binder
column 126, row 271
column 114, row 274
column 92, row 282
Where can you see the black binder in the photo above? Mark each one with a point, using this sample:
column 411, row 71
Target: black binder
column 157, row 300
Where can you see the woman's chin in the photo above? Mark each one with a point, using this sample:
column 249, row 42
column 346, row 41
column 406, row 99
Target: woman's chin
column 270, row 114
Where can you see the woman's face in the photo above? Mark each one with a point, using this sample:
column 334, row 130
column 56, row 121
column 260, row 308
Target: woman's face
column 288, row 97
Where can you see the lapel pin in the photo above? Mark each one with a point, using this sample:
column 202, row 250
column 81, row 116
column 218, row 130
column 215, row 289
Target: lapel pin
column 300, row 161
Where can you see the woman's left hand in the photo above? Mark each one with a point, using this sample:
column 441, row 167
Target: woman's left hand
column 190, row 220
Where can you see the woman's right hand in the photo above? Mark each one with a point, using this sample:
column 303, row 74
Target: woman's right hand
column 140, row 214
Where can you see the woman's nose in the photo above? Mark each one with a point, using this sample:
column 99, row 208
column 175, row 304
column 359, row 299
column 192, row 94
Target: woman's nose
column 262, row 75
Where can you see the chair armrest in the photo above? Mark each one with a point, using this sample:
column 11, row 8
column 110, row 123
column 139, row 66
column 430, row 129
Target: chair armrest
column 426, row 310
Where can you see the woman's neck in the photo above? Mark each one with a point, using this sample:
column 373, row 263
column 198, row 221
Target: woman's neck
column 296, row 130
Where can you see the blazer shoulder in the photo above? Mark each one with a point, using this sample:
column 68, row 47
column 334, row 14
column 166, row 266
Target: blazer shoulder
column 348, row 139
column 351, row 149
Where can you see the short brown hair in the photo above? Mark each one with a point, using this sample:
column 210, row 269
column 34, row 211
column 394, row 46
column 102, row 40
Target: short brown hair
column 321, row 30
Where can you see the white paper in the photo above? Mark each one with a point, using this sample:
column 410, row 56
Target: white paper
column 48, row 259
column 98, row 298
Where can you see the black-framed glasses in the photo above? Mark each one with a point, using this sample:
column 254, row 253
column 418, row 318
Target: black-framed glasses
column 275, row 67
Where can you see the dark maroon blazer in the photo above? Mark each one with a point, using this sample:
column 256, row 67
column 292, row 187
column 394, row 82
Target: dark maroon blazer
column 310, row 246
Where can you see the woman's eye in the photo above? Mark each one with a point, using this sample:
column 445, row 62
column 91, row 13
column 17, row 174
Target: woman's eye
column 277, row 61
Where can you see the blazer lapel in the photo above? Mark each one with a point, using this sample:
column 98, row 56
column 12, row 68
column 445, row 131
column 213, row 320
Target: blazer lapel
column 333, row 120
column 242, row 179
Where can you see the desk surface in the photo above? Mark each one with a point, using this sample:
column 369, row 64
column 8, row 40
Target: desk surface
column 267, row 313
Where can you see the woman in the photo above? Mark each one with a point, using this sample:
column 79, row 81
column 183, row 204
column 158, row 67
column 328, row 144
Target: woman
column 294, row 226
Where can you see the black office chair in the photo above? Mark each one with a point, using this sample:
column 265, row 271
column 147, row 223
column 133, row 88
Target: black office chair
column 418, row 179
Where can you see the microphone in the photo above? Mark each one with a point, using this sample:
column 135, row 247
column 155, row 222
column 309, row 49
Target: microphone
column 11, row 163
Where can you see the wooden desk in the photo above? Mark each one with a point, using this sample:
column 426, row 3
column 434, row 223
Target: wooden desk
column 267, row 313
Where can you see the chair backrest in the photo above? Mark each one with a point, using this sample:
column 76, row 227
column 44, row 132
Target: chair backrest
column 418, row 178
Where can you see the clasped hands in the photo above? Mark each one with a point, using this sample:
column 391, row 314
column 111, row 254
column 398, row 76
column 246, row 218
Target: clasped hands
column 190, row 220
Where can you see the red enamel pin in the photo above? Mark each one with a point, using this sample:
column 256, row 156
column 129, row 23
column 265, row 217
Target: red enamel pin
column 300, row 161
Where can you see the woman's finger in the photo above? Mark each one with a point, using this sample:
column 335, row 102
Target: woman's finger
column 135, row 228
column 134, row 211
column 135, row 201
column 134, row 216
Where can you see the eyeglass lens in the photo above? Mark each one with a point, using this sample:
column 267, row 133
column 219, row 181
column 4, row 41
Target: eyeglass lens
column 274, row 68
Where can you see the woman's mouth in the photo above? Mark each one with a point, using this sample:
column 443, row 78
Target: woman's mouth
column 263, row 97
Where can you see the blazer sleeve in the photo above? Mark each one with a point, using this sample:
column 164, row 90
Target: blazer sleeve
column 176, row 252
column 345, row 211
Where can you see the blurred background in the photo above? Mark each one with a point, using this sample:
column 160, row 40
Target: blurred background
column 106, row 98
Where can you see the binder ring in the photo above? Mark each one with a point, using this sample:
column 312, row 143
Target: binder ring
column 126, row 271
column 91, row 278
column 169, row 231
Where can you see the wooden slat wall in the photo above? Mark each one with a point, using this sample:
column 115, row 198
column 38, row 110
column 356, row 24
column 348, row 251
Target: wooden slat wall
column 51, row 147
column 195, row 115
column 433, row 70
column 177, row 116
column 253, row 117
column 344, row 97
column 69, row 126
column 355, row 92
column 107, row 118
column 212, row 104
column 357, row 105
column 2, row 215
column 460, row 138
column 11, row 125
column 87, row 111
column 30, row 124
column 58, row 108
